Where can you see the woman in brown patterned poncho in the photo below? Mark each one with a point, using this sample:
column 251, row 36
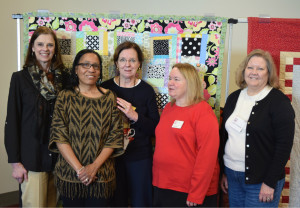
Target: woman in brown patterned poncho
column 87, row 131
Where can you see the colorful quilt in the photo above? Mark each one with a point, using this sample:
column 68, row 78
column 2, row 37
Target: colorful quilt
column 165, row 40
column 281, row 37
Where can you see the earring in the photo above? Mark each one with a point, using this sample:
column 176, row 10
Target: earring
column 117, row 72
column 99, row 81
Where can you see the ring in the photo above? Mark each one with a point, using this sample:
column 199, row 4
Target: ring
column 87, row 180
column 268, row 199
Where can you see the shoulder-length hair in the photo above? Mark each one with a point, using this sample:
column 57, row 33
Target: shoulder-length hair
column 273, row 77
column 194, row 83
column 30, row 59
column 73, row 79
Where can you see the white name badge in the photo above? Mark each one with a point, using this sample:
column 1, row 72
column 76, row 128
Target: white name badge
column 177, row 124
column 238, row 124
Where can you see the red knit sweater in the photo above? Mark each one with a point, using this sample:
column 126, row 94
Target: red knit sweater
column 185, row 158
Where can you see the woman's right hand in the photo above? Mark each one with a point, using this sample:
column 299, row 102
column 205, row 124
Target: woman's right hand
column 224, row 183
column 19, row 172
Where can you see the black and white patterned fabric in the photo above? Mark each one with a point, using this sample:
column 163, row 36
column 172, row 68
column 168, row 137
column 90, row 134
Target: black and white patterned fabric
column 92, row 42
column 156, row 71
column 161, row 47
column 162, row 100
column 121, row 39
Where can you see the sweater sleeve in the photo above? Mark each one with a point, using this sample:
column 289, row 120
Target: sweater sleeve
column 12, row 138
column 115, row 137
column 59, row 132
column 149, row 122
column 207, row 138
column 283, row 123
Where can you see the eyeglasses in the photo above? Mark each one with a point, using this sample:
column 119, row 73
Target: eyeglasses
column 88, row 66
column 131, row 61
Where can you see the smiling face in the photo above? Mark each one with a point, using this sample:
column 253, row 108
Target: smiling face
column 256, row 74
column 177, row 86
column 88, row 77
column 44, row 49
column 128, row 63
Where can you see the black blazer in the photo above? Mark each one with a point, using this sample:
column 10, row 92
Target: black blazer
column 27, row 125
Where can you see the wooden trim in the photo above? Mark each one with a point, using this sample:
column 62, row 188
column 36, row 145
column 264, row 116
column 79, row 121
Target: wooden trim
column 9, row 199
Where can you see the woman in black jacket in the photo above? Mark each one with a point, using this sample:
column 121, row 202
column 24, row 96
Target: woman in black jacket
column 256, row 135
column 31, row 100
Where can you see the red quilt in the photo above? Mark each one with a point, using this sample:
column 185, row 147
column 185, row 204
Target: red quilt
column 274, row 35
column 281, row 37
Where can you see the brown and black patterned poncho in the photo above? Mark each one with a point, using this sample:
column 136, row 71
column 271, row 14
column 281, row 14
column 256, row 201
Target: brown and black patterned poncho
column 88, row 125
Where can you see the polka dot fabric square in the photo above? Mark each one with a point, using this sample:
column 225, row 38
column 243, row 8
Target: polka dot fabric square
column 190, row 47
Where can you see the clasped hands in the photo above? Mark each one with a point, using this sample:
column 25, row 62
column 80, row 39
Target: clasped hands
column 87, row 174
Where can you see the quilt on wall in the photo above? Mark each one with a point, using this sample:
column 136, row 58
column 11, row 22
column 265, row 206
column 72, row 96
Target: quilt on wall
column 289, row 78
column 164, row 40
column 281, row 37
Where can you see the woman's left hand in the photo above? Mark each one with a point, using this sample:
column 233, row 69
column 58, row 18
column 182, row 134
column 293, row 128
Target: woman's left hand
column 88, row 174
column 266, row 193
column 191, row 204
column 127, row 109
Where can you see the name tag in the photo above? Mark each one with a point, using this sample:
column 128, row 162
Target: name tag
column 177, row 124
column 238, row 124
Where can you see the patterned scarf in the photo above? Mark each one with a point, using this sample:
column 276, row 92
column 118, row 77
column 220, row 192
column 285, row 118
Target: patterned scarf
column 44, row 81
column 48, row 84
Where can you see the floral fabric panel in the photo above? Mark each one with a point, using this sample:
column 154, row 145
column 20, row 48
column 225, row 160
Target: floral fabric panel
column 164, row 40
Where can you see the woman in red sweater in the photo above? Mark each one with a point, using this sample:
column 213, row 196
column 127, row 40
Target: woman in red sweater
column 185, row 166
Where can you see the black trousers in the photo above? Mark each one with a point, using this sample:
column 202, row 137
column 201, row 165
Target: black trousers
column 84, row 202
column 170, row 198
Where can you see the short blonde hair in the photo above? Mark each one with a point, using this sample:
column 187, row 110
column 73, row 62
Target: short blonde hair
column 194, row 83
column 273, row 77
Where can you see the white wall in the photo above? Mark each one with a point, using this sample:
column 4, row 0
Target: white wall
column 222, row 8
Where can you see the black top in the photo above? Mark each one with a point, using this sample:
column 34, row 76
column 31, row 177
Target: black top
column 142, row 96
column 27, row 125
column 269, row 137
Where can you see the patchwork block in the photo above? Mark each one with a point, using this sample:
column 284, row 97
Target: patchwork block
column 161, row 47
column 190, row 46
column 65, row 46
column 156, row 71
column 92, row 42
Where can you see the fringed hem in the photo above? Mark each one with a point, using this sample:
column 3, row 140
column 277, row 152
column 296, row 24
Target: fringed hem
column 79, row 190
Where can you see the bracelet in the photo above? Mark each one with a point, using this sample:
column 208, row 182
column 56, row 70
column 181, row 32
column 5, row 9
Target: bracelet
column 80, row 170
